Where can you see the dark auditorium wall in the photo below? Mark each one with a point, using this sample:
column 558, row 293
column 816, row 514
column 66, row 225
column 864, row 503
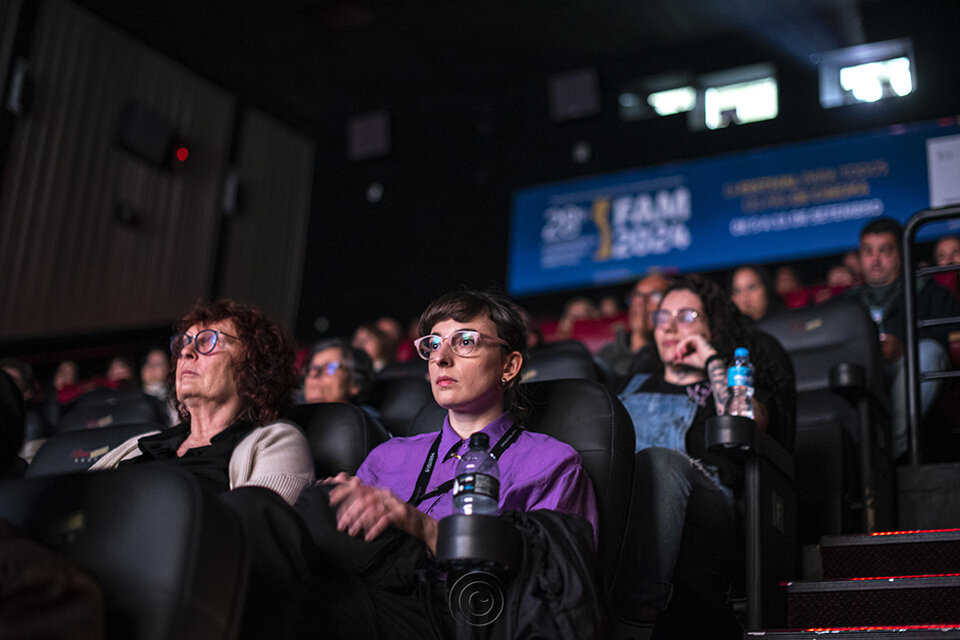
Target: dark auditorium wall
column 70, row 268
column 264, row 239
column 68, row 265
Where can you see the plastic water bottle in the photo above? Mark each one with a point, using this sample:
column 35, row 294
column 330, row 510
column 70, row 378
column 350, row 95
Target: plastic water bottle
column 476, row 489
column 740, row 385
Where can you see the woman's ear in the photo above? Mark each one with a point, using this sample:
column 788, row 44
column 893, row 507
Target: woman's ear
column 511, row 365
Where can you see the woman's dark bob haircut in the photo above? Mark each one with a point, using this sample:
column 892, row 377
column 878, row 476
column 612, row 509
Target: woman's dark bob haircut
column 265, row 373
column 464, row 306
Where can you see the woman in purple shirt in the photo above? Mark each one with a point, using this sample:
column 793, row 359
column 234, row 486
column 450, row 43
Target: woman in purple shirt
column 474, row 344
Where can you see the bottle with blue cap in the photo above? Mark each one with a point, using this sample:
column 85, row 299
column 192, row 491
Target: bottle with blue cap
column 740, row 385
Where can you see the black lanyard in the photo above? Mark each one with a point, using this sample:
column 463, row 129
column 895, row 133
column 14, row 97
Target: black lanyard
column 420, row 490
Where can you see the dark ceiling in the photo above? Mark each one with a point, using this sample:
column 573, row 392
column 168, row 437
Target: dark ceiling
column 312, row 61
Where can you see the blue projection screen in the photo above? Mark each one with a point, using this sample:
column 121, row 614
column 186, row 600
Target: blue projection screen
column 765, row 205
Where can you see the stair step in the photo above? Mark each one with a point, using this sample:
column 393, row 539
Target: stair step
column 891, row 553
column 893, row 600
column 914, row 632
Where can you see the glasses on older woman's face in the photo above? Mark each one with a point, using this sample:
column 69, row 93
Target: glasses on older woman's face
column 328, row 369
column 464, row 343
column 662, row 317
column 205, row 341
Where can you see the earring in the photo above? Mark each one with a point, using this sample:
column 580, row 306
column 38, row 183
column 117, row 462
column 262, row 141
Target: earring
column 503, row 380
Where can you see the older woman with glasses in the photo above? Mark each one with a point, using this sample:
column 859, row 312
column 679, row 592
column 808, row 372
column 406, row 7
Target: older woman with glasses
column 233, row 373
column 682, row 492
column 338, row 372
column 380, row 526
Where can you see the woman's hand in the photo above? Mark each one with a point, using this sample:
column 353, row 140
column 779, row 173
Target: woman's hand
column 693, row 351
column 366, row 510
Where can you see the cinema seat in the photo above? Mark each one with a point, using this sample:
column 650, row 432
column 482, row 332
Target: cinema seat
column 340, row 435
column 72, row 451
column 560, row 360
column 842, row 437
column 107, row 407
column 171, row 561
column 399, row 399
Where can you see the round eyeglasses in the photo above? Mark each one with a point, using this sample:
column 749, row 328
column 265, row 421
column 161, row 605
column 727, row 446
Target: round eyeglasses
column 327, row 369
column 662, row 317
column 464, row 343
column 205, row 341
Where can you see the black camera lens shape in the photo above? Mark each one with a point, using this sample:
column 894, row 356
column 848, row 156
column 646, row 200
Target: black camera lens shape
column 476, row 598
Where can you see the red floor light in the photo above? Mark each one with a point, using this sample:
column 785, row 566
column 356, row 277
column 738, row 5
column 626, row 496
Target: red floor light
column 887, row 627
column 900, row 533
column 924, row 575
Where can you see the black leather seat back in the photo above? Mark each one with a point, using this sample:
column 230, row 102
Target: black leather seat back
column 106, row 407
column 820, row 337
column 828, row 426
column 399, row 399
column 172, row 561
column 585, row 415
column 340, row 435
column 77, row 450
column 560, row 361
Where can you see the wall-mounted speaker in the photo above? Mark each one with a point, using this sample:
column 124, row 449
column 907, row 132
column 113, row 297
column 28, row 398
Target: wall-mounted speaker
column 575, row 94
column 368, row 136
column 147, row 134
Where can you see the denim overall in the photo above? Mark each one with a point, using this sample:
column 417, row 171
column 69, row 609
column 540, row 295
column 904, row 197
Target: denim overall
column 662, row 420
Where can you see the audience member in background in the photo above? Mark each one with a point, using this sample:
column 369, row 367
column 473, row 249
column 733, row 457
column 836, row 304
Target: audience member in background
column 634, row 348
column 367, row 526
column 66, row 375
column 683, row 510
column 787, row 281
column 573, row 310
column 609, row 307
column 337, row 372
column 883, row 296
column 947, row 251
column 852, row 260
column 64, row 389
column 378, row 345
column 840, row 276
column 121, row 373
column 234, row 377
column 155, row 381
column 751, row 289
column 35, row 426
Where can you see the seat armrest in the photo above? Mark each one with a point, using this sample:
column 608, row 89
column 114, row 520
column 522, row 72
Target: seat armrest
column 738, row 437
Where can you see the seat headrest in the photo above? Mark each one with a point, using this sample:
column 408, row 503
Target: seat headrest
column 340, row 435
column 77, row 450
column 558, row 361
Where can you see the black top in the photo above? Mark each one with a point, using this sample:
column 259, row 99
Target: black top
column 210, row 463
column 933, row 301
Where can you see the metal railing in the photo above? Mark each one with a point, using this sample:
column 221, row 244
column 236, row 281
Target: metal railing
column 914, row 376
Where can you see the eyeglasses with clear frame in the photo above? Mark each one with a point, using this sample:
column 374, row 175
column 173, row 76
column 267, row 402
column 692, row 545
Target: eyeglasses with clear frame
column 328, row 369
column 464, row 343
column 683, row 316
column 205, row 341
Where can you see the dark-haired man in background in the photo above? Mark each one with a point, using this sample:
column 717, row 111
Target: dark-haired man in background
column 882, row 294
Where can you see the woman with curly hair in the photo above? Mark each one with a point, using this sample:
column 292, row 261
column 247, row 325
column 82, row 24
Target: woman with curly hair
column 682, row 523
column 233, row 372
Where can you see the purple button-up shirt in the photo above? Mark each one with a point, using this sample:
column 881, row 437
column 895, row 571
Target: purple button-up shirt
column 536, row 471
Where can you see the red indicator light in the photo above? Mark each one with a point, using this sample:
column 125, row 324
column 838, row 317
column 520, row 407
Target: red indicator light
column 182, row 154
